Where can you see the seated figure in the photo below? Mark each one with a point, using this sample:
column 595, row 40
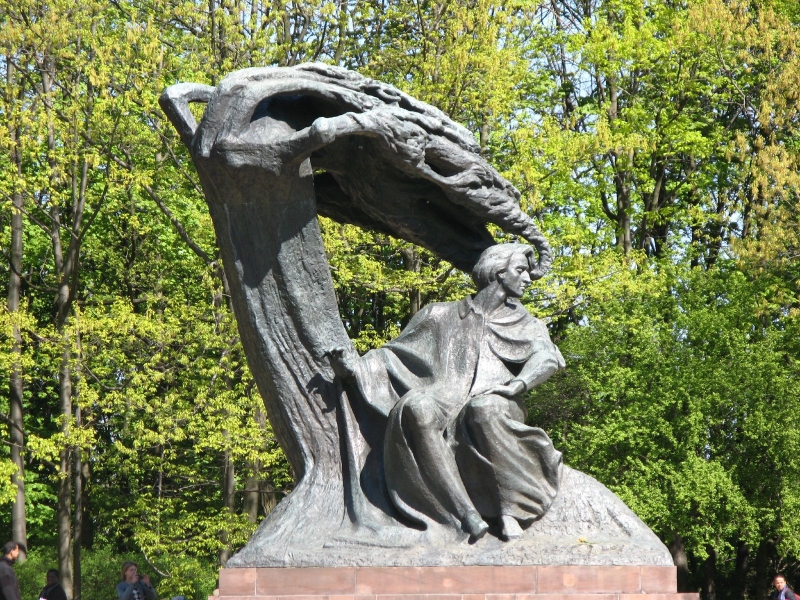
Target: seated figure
column 457, row 450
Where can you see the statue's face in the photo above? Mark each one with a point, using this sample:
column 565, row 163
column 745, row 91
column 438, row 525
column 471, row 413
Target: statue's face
column 516, row 278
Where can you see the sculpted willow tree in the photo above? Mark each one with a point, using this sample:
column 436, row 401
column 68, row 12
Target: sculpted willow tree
column 277, row 147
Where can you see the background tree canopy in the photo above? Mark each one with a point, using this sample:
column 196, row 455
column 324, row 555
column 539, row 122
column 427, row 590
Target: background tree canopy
column 657, row 142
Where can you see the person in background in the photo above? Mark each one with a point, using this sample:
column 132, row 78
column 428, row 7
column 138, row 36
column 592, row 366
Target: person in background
column 133, row 585
column 782, row 591
column 9, row 585
column 52, row 589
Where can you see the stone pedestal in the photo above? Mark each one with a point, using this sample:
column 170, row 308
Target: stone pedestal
column 452, row 583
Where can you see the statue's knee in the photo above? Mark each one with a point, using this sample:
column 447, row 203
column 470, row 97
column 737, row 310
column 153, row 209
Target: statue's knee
column 485, row 409
column 421, row 412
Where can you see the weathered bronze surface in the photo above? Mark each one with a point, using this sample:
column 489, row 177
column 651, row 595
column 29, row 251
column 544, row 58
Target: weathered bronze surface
column 416, row 453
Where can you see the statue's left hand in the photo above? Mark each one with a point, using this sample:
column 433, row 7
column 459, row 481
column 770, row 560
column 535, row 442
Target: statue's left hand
column 340, row 363
column 513, row 388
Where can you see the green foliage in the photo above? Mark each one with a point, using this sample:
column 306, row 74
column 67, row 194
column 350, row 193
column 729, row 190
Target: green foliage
column 684, row 402
column 101, row 574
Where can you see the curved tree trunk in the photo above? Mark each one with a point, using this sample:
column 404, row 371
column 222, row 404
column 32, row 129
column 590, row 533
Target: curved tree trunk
column 287, row 314
column 19, row 528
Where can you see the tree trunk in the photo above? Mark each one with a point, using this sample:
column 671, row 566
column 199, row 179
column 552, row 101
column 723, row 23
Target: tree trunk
column 484, row 136
column 65, row 481
column 710, row 575
column 252, row 492
column 412, row 263
column 624, row 241
column 269, row 498
column 77, row 533
column 678, row 551
column 19, row 527
column 621, row 164
column 61, row 306
column 253, row 487
column 740, row 572
column 66, row 259
column 766, row 551
column 228, row 502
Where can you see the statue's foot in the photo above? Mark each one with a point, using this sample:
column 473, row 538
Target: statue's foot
column 511, row 528
column 475, row 526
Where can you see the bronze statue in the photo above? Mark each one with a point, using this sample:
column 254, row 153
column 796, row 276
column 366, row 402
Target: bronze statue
column 416, row 448
column 457, row 449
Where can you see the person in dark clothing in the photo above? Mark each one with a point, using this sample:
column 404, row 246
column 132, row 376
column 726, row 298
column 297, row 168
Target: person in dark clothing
column 9, row 585
column 782, row 591
column 52, row 589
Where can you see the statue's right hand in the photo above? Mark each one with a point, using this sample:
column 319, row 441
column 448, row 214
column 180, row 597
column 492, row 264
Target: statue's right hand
column 340, row 363
column 323, row 130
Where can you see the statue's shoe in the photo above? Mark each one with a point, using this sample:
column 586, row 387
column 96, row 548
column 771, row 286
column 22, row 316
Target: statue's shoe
column 475, row 526
column 511, row 529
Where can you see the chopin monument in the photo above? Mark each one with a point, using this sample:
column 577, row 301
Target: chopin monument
column 414, row 459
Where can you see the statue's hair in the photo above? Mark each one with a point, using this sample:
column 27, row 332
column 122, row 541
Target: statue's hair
column 495, row 259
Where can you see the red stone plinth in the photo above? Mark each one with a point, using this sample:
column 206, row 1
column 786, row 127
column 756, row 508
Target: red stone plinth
column 451, row 583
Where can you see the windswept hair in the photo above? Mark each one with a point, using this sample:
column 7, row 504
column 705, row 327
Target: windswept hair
column 495, row 259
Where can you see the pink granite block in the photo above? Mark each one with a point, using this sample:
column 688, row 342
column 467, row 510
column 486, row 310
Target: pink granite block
column 321, row 597
column 309, row 597
column 659, row 580
column 501, row 597
column 424, row 580
column 588, row 580
column 514, row 580
column 310, row 581
column 238, row 597
column 446, row 580
column 473, row 597
column 570, row 597
column 420, row 597
column 692, row 596
column 237, row 582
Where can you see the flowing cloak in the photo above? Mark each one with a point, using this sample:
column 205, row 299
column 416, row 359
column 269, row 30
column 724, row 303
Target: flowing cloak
column 450, row 353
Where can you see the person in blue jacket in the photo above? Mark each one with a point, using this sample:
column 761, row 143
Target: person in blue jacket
column 134, row 586
column 782, row 591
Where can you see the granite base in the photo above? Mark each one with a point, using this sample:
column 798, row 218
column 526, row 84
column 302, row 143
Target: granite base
column 452, row 583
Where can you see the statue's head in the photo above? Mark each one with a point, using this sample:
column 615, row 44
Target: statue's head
column 496, row 260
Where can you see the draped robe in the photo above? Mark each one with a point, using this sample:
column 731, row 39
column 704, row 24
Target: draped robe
column 448, row 356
